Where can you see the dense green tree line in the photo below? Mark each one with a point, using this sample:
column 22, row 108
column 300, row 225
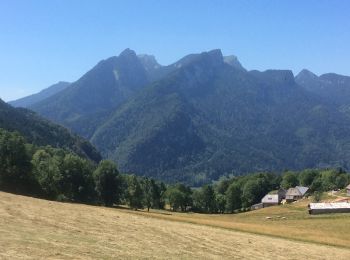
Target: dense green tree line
column 227, row 195
column 58, row 174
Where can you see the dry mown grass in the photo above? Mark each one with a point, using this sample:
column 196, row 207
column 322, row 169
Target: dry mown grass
column 289, row 221
column 39, row 229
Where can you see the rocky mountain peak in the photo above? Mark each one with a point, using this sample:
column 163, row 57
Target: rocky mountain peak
column 306, row 74
column 127, row 52
column 233, row 61
column 148, row 61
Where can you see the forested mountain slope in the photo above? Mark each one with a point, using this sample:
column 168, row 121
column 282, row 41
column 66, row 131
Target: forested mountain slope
column 209, row 118
column 42, row 132
column 200, row 118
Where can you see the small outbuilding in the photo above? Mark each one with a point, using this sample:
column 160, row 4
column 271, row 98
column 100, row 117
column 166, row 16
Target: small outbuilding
column 332, row 207
column 270, row 200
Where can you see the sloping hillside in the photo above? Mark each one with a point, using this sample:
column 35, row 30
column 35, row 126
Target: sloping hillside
column 35, row 98
column 86, row 103
column 39, row 229
column 291, row 221
column 41, row 132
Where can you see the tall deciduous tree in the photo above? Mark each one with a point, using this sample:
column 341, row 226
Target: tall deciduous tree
column 15, row 167
column 249, row 193
column 208, row 194
column 289, row 180
column 153, row 193
column 148, row 191
column 46, row 169
column 233, row 197
column 306, row 177
column 108, row 182
column 134, row 193
column 220, row 201
column 175, row 198
column 77, row 181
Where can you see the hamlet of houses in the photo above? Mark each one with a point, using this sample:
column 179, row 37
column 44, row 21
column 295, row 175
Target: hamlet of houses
column 281, row 196
column 299, row 192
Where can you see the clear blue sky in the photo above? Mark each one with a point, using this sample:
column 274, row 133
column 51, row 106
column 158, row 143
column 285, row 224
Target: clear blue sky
column 42, row 42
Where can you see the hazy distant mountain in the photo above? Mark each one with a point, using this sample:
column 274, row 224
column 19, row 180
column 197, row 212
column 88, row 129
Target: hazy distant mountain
column 41, row 132
column 86, row 103
column 201, row 117
column 35, row 98
column 333, row 87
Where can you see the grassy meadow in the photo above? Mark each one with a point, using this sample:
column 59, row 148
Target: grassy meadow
column 290, row 221
column 39, row 229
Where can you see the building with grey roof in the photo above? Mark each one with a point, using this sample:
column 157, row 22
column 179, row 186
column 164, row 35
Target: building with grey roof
column 302, row 189
column 332, row 207
column 270, row 200
column 296, row 193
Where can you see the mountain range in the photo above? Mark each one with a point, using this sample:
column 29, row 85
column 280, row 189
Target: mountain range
column 205, row 116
